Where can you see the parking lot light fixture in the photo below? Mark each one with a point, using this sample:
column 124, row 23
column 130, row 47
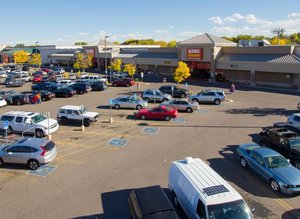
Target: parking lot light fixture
column 105, row 56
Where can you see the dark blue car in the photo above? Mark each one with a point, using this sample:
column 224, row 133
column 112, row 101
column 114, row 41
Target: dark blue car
column 270, row 166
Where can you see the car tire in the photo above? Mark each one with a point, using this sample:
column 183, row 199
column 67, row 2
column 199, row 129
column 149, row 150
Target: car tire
column 164, row 100
column 1, row 162
column 195, row 100
column 114, row 85
column 43, row 99
column 143, row 117
column 81, row 92
column 217, row 101
column 9, row 130
column 127, row 85
column 183, row 96
column 18, row 103
column 33, row 164
column 86, row 122
column 117, row 106
column 64, row 120
column 243, row 162
column 274, row 185
column 138, row 107
column 175, row 199
column 39, row 133
column 66, row 95
column 167, row 118
column 147, row 99
column 189, row 110
column 263, row 144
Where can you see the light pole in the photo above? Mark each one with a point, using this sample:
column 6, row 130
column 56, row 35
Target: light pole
column 36, row 43
column 105, row 56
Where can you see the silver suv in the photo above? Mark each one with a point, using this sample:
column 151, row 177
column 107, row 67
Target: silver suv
column 155, row 95
column 31, row 151
column 208, row 96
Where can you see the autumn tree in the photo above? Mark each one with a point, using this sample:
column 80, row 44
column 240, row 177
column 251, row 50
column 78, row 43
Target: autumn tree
column 35, row 59
column 172, row 43
column 20, row 56
column 181, row 73
column 161, row 43
column 278, row 41
column 83, row 61
column 116, row 65
column 130, row 69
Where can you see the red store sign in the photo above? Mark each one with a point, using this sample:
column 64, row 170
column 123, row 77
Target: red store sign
column 195, row 53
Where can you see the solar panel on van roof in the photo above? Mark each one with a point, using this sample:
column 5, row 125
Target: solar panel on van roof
column 213, row 190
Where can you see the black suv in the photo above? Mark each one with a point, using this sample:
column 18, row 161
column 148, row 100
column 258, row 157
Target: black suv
column 19, row 99
column 81, row 88
column 284, row 141
column 176, row 92
column 150, row 203
column 98, row 85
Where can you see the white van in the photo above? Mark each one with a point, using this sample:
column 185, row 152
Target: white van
column 93, row 78
column 202, row 193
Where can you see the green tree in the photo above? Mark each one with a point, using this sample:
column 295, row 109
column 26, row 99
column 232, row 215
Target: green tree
column 172, row 43
column 130, row 69
column 19, row 45
column 20, row 56
column 161, row 43
column 116, row 65
column 181, row 73
column 35, row 59
column 83, row 61
column 80, row 43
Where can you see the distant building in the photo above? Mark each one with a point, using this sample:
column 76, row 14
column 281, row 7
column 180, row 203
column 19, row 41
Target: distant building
column 254, row 43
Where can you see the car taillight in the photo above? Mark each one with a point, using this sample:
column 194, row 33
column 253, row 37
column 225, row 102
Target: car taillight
column 44, row 151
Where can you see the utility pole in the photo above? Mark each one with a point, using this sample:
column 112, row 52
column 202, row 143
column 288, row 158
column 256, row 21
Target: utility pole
column 105, row 56
column 278, row 32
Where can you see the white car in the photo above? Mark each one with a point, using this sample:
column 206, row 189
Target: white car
column 294, row 119
column 29, row 123
column 65, row 82
column 58, row 70
column 3, row 73
column 2, row 102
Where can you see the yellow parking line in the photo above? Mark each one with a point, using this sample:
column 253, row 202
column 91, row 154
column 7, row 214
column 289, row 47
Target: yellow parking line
column 279, row 201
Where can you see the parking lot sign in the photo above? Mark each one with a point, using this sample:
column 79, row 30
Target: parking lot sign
column 5, row 124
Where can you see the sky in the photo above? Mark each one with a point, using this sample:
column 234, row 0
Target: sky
column 64, row 22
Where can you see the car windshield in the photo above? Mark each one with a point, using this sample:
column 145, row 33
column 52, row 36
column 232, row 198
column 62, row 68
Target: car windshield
column 38, row 118
column 134, row 99
column 295, row 143
column 276, row 162
column 234, row 210
column 157, row 92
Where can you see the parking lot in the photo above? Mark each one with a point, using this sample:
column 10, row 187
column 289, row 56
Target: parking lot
column 96, row 169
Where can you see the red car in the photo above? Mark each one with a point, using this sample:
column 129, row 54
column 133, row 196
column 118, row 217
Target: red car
column 160, row 112
column 37, row 79
column 126, row 82
column 46, row 69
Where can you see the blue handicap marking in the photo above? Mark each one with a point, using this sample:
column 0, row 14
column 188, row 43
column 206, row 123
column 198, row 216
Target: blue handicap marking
column 150, row 130
column 179, row 120
column 42, row 170
column 117, row 142
column 5, row 124
column 203, row 111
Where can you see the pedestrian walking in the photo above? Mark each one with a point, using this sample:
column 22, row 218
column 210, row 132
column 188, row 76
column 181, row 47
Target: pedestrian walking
column 232, row 88
column 138, row 86
column 39, row 98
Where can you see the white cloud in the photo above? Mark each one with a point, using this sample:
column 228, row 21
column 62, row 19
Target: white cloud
column 135, row 35
column 216, row 20
column 171, row 27
column 83, row 34
column 161, row 31
column 293, row 14
column 187, row 34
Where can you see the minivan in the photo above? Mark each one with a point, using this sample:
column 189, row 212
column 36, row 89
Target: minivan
column 202, row 193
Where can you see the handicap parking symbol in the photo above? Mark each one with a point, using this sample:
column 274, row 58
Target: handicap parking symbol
column 117, row 142
column 150, row 130
column 179, row 120
column 203, row 111
column 42, row 170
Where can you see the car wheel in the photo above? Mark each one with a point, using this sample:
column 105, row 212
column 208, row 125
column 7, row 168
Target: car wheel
column 195, row 100
column 117, row 106
column 182, row 95
column 81, row 92
column 9, row 130
column 147, row 99
column 263, row 144
column 64, row 120
column 167, row 118
column 189, row 110
column 164, row 100
column 86, row 122
column 18, row 103
column 243, row 162
column 66, row 95
column 127, row 85
column 138, row 107
column 39, row 133
column 1, row 162
column 33, row 164
column 175, row 199
column 217, row 102
column 114, row 85
column 143, row 117
column 43, row 99
column 274, row 185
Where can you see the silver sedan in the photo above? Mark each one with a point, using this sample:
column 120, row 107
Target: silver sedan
column 182, row 105
column 129, row 102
